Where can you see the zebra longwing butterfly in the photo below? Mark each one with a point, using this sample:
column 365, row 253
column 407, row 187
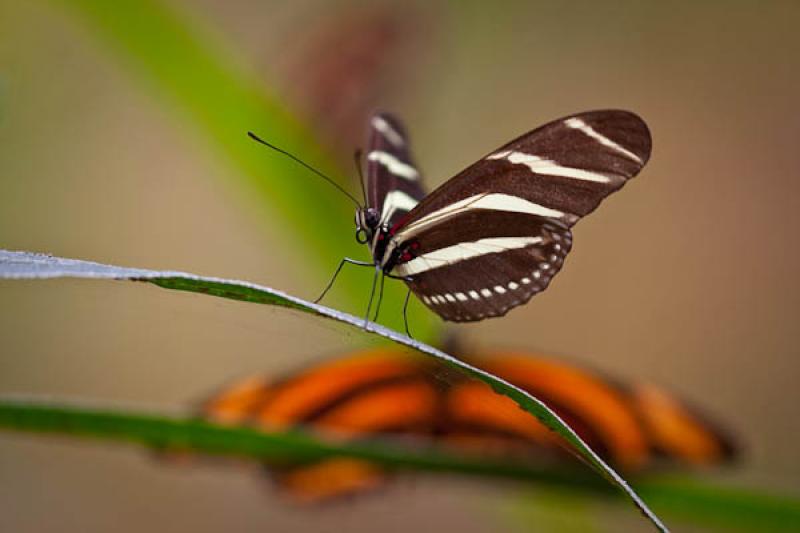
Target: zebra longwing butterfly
column 494, row 235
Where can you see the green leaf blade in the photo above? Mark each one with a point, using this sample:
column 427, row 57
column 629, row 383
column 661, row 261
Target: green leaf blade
column 13, row 265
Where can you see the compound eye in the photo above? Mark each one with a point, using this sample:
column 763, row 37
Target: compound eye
column 361, row 236
column 371, row 217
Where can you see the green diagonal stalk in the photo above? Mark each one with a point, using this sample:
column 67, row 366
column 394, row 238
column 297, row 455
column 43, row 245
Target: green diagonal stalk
column 26, row 265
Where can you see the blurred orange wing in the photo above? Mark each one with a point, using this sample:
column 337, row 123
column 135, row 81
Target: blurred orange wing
column 678, row 431
column 358, row 396
column 595, row 409
column 386, row 391
column 627, row 425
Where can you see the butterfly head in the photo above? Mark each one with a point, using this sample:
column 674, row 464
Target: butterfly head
column 367, row 222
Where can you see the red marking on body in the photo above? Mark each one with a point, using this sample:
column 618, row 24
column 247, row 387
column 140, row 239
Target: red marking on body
column 399, row 224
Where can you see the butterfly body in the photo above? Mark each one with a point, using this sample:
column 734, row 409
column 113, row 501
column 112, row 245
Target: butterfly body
column 494, row 235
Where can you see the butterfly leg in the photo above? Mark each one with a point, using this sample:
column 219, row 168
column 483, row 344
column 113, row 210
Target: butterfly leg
column 380, row 298
column 371, row 295
column 405, row 313
column 335, row 274
column 405, row 304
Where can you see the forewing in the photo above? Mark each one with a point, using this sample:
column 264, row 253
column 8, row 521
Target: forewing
column 568, row 165
column 494, row 235
column 393, row 181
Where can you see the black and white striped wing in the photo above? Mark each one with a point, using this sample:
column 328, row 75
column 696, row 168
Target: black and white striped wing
column 394, row 185
column 493, row 236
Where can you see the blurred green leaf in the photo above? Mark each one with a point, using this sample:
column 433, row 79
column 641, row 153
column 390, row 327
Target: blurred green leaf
column 682, row 499
column 25, row 265
column 690, row 500
column 199, row 78
column 722, row 507
column 176, row 434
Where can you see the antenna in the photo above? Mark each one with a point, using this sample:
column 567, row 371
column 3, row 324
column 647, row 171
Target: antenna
column 357, row 156
column 309, row 167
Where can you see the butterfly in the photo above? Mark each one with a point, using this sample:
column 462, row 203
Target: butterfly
column 494, row 235
column 386, row 393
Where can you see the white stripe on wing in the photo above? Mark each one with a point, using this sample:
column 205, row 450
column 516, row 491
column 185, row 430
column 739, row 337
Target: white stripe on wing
column 383, row 126
column 396, row 200
column 487, row 201
column 578, row 124
column 541, row 165
column 459, row 252
column 394, row 165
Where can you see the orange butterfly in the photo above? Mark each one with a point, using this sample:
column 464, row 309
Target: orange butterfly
column 388, row 392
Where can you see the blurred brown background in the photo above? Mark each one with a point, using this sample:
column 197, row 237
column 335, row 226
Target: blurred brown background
column 688, row 277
